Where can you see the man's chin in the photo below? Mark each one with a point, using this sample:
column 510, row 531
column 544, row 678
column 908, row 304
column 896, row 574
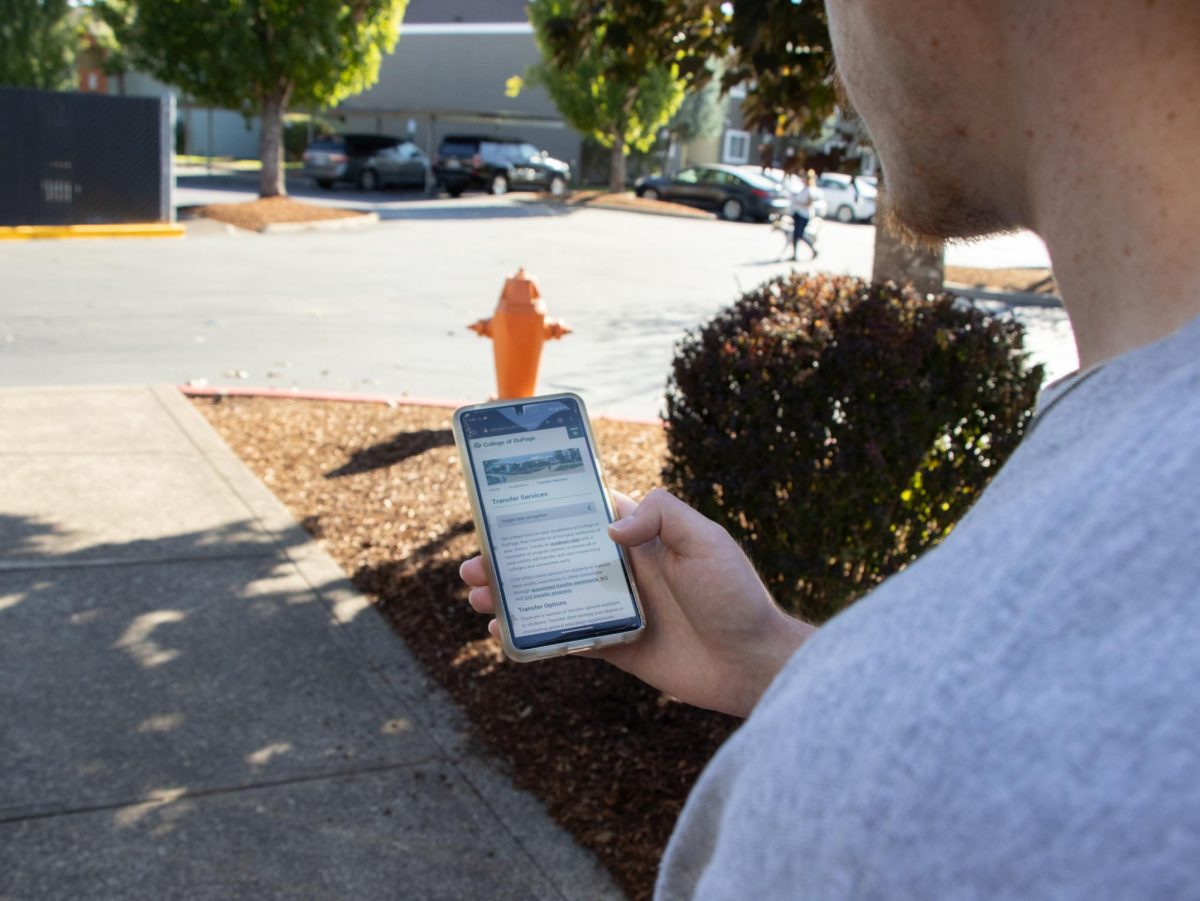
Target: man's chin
column 936, row 219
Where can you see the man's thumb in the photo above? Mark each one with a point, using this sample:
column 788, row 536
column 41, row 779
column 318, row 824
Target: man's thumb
column 661, row 515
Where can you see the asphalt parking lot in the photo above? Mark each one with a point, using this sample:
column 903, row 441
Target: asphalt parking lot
column 384, row 309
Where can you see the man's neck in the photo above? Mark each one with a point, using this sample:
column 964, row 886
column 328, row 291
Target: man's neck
column 1114, row 192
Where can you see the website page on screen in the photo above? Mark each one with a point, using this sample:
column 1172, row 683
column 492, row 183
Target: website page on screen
column 560, row 574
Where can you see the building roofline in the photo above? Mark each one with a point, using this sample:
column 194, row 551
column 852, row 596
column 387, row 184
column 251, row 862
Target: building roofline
column 464, row 28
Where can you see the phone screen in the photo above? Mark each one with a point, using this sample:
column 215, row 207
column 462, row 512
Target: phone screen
column 546, row 518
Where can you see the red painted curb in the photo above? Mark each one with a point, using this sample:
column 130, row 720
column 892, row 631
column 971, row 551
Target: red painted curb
column 391, row 400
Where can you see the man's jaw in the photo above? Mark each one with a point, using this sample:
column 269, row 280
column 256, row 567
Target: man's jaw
column 936, row 210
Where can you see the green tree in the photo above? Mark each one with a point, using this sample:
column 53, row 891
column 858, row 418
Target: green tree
column 702, row 113
column 95, row 31
column 37, row 44
column 259, row 56
column 779, row 50
column 618, row 89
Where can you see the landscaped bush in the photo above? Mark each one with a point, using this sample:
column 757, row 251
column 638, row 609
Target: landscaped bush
column 839, row 429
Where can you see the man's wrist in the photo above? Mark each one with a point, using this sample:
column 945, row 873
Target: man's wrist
column 783, row 639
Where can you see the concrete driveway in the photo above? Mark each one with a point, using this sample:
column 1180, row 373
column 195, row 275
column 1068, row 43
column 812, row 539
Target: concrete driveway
column 385, row 308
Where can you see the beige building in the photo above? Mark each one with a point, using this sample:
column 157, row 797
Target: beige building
column 448, row 76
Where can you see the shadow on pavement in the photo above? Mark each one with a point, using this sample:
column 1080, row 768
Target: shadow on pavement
column 166, row 672
column 527, row 210
column 19, row 535
column 168, row 720
column 390, row 204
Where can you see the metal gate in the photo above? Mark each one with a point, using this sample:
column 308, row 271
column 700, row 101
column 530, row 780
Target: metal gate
column 82, row 159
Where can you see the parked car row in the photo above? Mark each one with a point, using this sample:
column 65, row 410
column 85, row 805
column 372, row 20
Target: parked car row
column 463, row 163
column 499, row 165
column 737, row 192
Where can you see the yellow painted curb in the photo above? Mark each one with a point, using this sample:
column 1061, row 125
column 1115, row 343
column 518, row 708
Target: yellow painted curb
column 116, row 230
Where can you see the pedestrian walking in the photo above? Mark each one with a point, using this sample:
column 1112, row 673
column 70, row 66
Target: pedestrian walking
column 806, row 204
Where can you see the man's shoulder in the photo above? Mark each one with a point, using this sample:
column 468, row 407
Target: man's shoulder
column 1019, row 696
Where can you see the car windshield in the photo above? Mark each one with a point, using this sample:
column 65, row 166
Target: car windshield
column 459, row 148
column 834, row 183
column 775, row 175
column 527, row 151
column 761, row 182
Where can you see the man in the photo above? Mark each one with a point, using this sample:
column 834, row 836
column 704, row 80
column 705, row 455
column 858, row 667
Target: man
column 1016, row 714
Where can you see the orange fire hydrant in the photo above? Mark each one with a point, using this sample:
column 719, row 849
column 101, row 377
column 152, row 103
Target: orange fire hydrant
column 518, row 330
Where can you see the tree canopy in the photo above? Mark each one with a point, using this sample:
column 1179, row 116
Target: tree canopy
column 259, row 56
column 779, row 51
column 37, row 44
column 620, row 92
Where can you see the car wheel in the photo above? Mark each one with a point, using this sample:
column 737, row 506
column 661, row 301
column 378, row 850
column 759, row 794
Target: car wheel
column 732, row 209
column 499, row 184
column 325, row 183
column 845, row 214
column 456, row 191
column 558, row 186
column 650, row 194
column 368, row 180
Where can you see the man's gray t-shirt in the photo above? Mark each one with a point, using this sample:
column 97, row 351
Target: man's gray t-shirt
column 1017, row 714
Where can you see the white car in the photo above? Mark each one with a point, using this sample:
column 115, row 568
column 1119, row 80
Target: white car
column 849, row 198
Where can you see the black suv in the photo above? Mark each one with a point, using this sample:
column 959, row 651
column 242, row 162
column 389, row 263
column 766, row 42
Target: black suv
column 369, row 161
column 496, row 165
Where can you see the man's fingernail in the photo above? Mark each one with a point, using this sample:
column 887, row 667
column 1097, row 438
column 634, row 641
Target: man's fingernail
column 621, row 525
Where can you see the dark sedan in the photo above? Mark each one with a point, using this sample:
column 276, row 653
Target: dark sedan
column 733, row 195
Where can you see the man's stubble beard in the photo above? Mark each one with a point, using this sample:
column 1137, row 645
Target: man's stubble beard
column 933, row 210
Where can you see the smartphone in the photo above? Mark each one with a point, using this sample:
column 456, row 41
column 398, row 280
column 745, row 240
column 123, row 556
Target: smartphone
column 542, row 510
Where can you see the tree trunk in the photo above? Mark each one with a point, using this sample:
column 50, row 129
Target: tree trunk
column 274, row 104
column 922, row 267
column 616, row 168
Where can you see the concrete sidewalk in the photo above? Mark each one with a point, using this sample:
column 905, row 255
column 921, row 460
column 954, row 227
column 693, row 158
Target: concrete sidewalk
column 195, row 702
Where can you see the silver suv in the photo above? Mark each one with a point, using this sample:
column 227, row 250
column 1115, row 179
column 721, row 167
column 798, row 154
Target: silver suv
column 369, row 161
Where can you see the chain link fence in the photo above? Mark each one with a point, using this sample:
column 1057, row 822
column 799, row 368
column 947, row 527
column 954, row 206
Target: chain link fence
column 82, row 159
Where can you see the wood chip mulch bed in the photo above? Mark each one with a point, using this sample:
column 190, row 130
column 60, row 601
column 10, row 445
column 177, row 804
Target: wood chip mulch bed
column 1028, row 281
column 255, row 215
column 627, row 201
column 380, row 487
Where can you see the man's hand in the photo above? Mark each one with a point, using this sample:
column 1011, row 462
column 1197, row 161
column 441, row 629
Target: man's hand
column 714, row 637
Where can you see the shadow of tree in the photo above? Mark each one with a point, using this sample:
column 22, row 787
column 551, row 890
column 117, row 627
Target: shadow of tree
column 185, row 707
column 396, row 449
column 164, row 669
column 523, row 209
column 23, row 536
